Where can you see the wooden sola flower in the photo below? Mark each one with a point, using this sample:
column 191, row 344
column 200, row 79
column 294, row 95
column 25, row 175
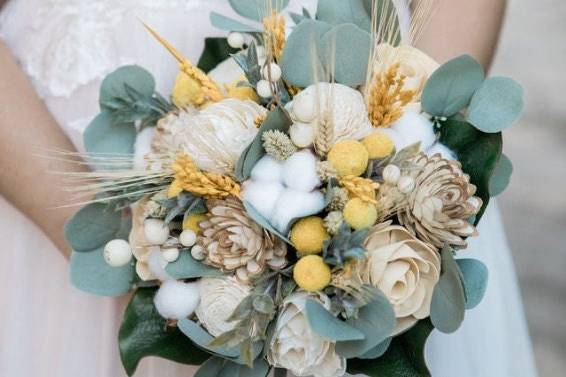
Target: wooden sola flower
column 232, row 241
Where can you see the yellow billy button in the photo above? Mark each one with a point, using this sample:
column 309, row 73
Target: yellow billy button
column 308, row 234
column 311, row 273
column 349, row 157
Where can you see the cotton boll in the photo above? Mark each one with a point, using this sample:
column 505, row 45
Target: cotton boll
column 267, row 169
column 142, row 147
column 263, row 196
column 176, row 300
column 443, row 150
column 157, row 264
column 414, row 128
column 299, row 171
column 293, row 204
column 397, row 138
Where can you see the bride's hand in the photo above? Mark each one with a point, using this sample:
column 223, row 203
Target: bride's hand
column 27, row 130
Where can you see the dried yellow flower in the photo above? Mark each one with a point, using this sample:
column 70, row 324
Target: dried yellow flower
column 274, row 26
column 387, row 97
column 209, row 185
column 361, row 188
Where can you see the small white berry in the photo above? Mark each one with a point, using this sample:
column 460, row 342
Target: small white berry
column 264, row 88
column 271, row 72
column 236, row 40
column 391, row 174
column 170, row 254
column 406, row 184
column 197, row 252
column 188, row 238
column 177, row 300
column 302, row 134
column 117, row 253
column 156, row 232
column 304, row 108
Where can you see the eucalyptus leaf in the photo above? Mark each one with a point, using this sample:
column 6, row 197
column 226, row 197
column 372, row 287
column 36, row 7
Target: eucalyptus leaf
column 89, row 272
column 451, row 87
column 377, row 351
column 114, row 86
column 104, row 137
column 218, row 367
column 348, row 47
column 186, row 267
column 376, row 321
column 474, row 277
column 496, row 104
column 328, row 326
column 501, row 176
column 229, row 24
column 254, row 9
column 145, row 333
column 92, row 227
column 211, row 367
column 216, row 50
column 448, row 305
column 263, row 222
column 200, row 337
column 304, row 41
column 404, row 357
column 338, row 12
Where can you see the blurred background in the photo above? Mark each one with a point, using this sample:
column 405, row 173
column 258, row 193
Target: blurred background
column 533, row 51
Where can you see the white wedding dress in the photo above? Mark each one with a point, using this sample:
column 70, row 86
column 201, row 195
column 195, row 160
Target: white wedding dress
column 47, row 328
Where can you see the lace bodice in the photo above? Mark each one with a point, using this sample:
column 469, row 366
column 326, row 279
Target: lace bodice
column 67, row 46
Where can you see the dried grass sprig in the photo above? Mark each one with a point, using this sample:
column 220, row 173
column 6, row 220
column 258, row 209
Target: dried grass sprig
column 278, row 145
column 274, row 30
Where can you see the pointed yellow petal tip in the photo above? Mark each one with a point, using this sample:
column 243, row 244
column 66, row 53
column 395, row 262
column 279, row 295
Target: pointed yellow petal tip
column 176, row 54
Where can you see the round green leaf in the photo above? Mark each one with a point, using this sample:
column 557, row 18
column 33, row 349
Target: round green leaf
column 348, row 47
column 328, row 326
column 451, row 87
column 202, row 338
column 92, row 227
column 113, row 87
column 448, row 303
column 90, row 273
column 496, row 104
column 255, row 9
column 501, row 176
column 337, row 12
column 475, row 277
column 229, row 24
column 102, row 136
column 186, row 267
column 145, row 333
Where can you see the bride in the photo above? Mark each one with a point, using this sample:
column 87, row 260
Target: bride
column 53, row 54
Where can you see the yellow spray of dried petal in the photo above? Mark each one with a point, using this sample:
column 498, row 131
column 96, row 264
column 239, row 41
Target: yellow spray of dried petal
column 361, row 188
column 274, row 26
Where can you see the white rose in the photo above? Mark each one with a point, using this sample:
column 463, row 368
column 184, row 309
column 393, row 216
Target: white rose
column 296, row 347
column 219, row 298
column 405, row 269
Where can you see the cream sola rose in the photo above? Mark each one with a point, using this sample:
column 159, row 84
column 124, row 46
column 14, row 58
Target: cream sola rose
column 294, row 346
column 405, row 269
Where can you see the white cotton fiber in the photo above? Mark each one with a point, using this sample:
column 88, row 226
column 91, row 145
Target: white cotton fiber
column 398, row 140
column 299, row 171
column 443, row 150
column 414, row 128
column 293, row 204
column 156, row 264
column 176, row 300
column 267, row 169
column 142, row 147
column 263, row 196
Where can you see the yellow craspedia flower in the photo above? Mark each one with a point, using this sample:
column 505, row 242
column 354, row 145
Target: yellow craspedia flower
column 192, row 221
column 311, row 273
column 308, row 234
column 378, row 145
column 349, row 157
column 359, row 214
column 187, row 91
column 241, row 92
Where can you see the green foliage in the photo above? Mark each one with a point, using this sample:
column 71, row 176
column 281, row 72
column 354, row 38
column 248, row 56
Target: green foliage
column 448, row 304
column 344, row 245
column 404, row 357
column 249, row 62
column 255, row 9
column 186, row 267
column 89, row 272
column 451, row 87
column 478, row 152
column 298, row 18
column 496, row 104
column 145, row 333
column 277, row 119
column 218, row 367
column 328, row 326
column 501, row 176
column 104, row 137
column 377, row 351
column 92, row 227
column 184, row 204
column 216, row 50
column 229, row 24
column 376, row 321
column 474, row 276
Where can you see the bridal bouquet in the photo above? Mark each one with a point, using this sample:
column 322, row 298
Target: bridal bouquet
column 299, row 202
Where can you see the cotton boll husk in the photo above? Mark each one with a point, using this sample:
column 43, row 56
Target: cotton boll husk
column 293, row 204
column 267, row 169
column 444, row 151
column 263, row 196
column 299, row 171
column 142, row 147
column 415, row 127
column 177, row 300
